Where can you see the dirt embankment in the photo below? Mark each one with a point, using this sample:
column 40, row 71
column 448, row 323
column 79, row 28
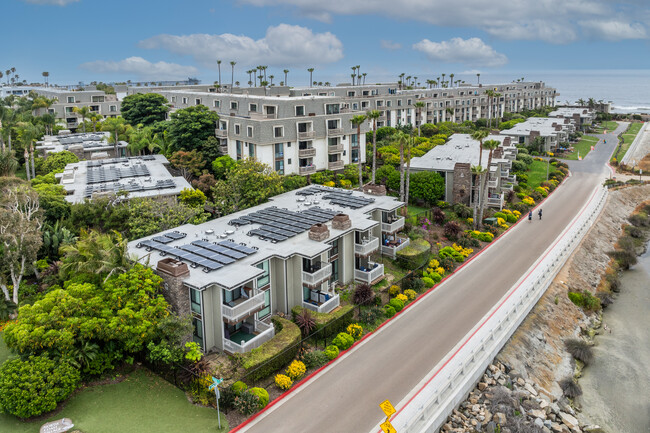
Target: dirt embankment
column 536, row 350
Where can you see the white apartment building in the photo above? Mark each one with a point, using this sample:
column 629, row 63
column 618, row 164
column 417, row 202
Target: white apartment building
column 552, row 130
column 232, row 273
column 580, row 116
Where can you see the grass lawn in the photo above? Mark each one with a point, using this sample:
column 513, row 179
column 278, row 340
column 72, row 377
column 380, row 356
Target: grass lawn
column 609, row 125
column 391, row 267
column 537, row 173
column 582, row 147
column 628, row 138
column 414, row 210
column 142, row 403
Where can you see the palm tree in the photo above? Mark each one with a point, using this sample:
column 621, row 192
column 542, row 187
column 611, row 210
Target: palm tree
column 46, row 75
column 490, row 145
column 31, row 152
column 364, row 78
column 1, row 75
column 96, row 253
column 479, row 136
column 401, row 138
column 477, row 172
column 409, row 145
column 219, row 68
column 271, row 77
column 26, row 156
column 357, row 121
column 374, row 115
column 119, row 129
column 311, row 71
column 419, row 105
column 451, row 78
column 232, row 75
column 497, row 96
column 478, row 78
column 353, row 74
column 94, row 119
column 286, row 71
column 580, row 102
column 358, row 75
column 443, row 79
column 490, row 95
column 83, row 112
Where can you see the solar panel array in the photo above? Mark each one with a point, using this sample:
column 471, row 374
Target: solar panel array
column 109, row 161
column 112, row 173
column 278, row 225
column 200, row 253
column 128, row 187
column 347, row 200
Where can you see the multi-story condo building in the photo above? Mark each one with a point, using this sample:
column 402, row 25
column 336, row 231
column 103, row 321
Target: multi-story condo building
column 305, row 129
column 454, row 160
column 580, row 116
column 230, row 274
column 88, row 145
column 551, row 130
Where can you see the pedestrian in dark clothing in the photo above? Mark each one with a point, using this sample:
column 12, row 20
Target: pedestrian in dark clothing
column 530, row 215
column 539, row 212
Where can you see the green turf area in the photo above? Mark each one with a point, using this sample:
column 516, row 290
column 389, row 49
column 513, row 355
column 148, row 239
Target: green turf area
column 582, row 147
column 537, row 173
column 415, row 210
column 142, row 403
column 4, row 350
column 609, row 125
column 628, row 138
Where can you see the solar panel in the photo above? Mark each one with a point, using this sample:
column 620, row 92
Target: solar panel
column 163, row 239
column 238, row 247
column 207, row 254
column 219, row 249
column 175, row 235
column 147, row 243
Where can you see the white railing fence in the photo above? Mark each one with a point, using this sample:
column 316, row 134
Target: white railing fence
column 628, row 155
column 449, row 385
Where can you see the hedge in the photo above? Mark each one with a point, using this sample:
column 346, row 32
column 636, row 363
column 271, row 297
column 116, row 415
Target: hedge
column 343, row 314
column 414, row 255
column 284, row 343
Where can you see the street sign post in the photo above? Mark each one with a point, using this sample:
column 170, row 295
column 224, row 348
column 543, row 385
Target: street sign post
column 387, row 408
column 387, row 427
column 215, row 386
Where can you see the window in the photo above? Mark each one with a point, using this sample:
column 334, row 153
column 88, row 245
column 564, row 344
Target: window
column 197, row 334
column 216, row 104
column 364, row 104
column 195, row 301
column 112, row 108
column 233, row 105
column 264, row 279
column 173, row 98
column 267, row 305
column 252, row 108
column 278, row 131
column 335, row 271
column 94, row 108
column 380, row 103
column 279, row 152
column 409, row 101
column 69, row 110
column 238, row 147
column 353, row 140
column 70, row 99
column 335, row 249
column 197, row 101
column 399, row 102
column 289, row 161
column 97, row 99
column 185, row 101
column 332, row 124
column 249, row 131
column 251, row 150
column 332, row 108
column 389, row 103
column 300, row 110
column 351, row 94
column 237, row 128
column 354, row 155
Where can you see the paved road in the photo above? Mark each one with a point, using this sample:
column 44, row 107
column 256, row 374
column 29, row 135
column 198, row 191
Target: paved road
column 344, row 397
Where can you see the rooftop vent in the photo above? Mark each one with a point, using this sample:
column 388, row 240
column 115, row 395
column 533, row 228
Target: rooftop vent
column 319, row 232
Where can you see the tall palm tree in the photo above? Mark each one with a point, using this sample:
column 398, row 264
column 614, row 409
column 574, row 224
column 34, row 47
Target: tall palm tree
column 478, row 78
column 419, row 105
column 357, row 121
column 232, row 75
column 1, row 75
column 443, row 79
column 94, row 119
column 31, row 152
column 119, row 130
column 497, row 117
column 451, row 78
column 480, row 135
column 83, row 112
column 26, row 156
column 286, row 71
column 358, row 75
column 409, row 146
column 401, row 138
column 311, row 71
column 219, row 68
column 490, row 95
column 364, row 78
column 353, row 74
column 374, row 115
column 477, row 172
column 490, row 145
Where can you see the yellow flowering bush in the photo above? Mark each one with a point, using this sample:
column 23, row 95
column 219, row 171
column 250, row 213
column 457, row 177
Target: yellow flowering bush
column 440, row 270
column 410, row 294
column 516, row 213
column 434, row 263
column 329, row 183
column 283, row 382
column 470, row 221
column 393, row 290
column 296, row 369
column 355, row 330
column 402, row 298
column 463, row 251
column 528, row 201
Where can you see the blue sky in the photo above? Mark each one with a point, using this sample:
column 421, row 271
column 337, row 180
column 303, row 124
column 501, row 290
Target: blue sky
column 84, row 40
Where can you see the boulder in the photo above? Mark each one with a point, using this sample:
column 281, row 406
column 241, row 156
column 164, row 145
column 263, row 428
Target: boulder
column 500, row 418
column 537, row 413
column 569, row 421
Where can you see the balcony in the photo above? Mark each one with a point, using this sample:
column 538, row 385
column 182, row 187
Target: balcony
column 334, row 132
column 335, row 165
column 370, row 276
column 393, row 247
column 495, row 200
column 221, row 133
column 306, row 135
column 261, row 116
column 337, row 148
column 324, row 304
column 242, row 308
column 307, row 153
column 243, row 341
column 367, row 247
column 492, row 183
column 505, row 174
column 394, row 226
column 308, row 169
column 319, row 273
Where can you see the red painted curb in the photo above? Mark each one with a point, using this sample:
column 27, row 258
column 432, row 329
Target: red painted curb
column 314, row 373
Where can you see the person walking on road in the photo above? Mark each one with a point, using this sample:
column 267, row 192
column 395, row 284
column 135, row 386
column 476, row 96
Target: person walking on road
column 539, row 212
column 530, row 216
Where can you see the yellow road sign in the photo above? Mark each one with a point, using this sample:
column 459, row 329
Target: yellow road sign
column 387, row 427
column 387, row 407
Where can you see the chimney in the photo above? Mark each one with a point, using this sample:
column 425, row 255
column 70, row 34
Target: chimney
column 341, row 222
column 374, row 189
column 319, row 232
column 172, row 267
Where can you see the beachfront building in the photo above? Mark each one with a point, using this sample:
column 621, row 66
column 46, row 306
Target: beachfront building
column 89, row 145
column 301, row 130
column 454, row 160
column 581, row 117
column 139, row 176
column 552, row 132
column 232, row 273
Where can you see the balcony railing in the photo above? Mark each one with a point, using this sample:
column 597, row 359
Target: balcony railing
column 318, row 276
column 495, row 201
column 335, row 165
column 309, row 169
column 221, row 133
column 335, row 131
column 392, row 248
column 369, row 276
column 261, row 116
column 394, row 226
column 305, row 135
column 336, row 148
column 367, row 246
column 264, row 332
column 243, row 308
column 324, row 307
column 307, row 153
column 492, row 183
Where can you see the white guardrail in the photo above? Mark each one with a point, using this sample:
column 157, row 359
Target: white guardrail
column 633, row 146
column 456, row 375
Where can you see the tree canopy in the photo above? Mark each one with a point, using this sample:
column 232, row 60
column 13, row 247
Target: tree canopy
column 191, row 127
column 144, row 108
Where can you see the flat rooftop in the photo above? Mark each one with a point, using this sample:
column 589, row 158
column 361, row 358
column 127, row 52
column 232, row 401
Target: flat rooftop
column 91, row 141
column 542, row 124
column 460, row 148
column 278, row 228
column 570, row 111
column 139, row 176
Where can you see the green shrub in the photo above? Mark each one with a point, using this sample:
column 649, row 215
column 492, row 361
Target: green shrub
column 343, row 341
column 239, row 387
column 521, row 195
column 342, row 316
column 500, row 215
column 414, row 255
column 397, row 304
column 331, row 352
column 522, row 177
column 315, row 359
column 247, row 403
column 34, row 386
column 462, row 211
column 273, row 350
column 292, row 182
column 413, row 283
column 262, row 395
column 389, row 311
column 370, row 315
column 585, row 300
column 394, row 290
column 428, row 282
column 56, row 162
column 511, row 218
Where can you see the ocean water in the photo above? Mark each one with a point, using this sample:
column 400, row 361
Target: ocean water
column 628, row 90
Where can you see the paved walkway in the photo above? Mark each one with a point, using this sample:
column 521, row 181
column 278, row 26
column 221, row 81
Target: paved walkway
column 388, row 365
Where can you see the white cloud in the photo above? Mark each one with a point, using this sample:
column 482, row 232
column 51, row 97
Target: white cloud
column 471, row 52
column 553, row 21
column 390, row 45
column 283, row 45
column 613, row 30
column 142, row 69
column 51, row 2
